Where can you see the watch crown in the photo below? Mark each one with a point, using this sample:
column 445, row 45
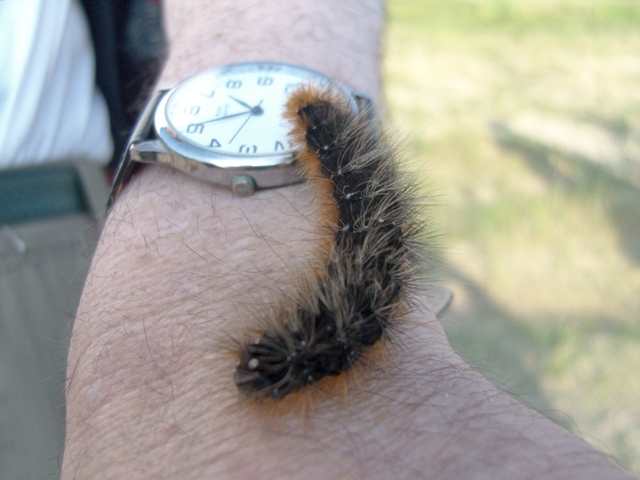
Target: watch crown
column 243, row 185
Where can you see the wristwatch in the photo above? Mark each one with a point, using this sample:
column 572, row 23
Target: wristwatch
column 225, row 126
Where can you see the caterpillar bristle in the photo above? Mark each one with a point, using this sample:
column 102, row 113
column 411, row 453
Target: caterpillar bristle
column 369, row 266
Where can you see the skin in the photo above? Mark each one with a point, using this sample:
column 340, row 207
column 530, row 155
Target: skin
column 182, row 267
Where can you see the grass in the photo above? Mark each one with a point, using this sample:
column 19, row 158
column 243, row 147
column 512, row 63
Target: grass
column 541, row 243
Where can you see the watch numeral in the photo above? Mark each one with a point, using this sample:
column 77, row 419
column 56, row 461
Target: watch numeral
column 234, row 84
column 193, row 110
column 265, row 81
column 279, row 146
column 195, row 128
column 214, row 143
column 210, row 95
column 248, row 149
column 269, row 68
column 222, row 110
column 290, row 87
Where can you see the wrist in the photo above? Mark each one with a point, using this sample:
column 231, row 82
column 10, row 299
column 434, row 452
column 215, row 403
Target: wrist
column 180, row 269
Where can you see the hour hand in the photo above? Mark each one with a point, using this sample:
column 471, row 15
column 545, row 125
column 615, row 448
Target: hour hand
column 245, row 105
column 257, row 110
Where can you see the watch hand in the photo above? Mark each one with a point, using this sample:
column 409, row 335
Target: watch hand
column 229, row 116
column 246, row 105
column 241, row 126
column 257, row 110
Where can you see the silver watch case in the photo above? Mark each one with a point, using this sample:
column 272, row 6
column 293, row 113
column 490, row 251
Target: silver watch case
column 243, row 173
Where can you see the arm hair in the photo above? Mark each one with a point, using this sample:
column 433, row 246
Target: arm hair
column 179, row 268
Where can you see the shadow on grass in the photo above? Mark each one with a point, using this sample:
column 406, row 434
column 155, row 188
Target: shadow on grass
column 619, row 197
column 503, row 348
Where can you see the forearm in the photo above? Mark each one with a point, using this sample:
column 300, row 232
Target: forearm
column 183, row 266
column 336, row 37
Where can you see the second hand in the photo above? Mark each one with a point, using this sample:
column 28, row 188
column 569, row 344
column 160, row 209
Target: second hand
column 254, row 111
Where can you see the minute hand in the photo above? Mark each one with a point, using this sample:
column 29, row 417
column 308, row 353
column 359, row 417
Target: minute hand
column 227, row 116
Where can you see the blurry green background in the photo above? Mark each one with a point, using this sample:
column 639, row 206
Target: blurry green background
column 525, row 119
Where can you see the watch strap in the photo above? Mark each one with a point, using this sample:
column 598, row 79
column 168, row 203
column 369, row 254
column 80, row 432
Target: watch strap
column 141, row 132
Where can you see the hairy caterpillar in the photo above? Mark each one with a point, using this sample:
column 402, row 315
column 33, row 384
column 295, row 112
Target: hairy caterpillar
column 369, row 264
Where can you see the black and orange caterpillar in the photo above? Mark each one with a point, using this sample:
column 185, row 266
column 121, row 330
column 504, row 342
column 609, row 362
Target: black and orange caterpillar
column 369, row 265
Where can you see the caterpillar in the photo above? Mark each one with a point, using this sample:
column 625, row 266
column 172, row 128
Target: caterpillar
column 369, row 266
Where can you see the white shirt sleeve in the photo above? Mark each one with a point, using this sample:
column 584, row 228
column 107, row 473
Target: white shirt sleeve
column 50, row 107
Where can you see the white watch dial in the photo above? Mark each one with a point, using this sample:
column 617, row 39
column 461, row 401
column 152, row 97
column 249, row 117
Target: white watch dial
column 237, row 109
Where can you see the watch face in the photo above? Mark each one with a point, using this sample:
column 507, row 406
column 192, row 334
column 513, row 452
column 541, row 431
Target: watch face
column 237, row 109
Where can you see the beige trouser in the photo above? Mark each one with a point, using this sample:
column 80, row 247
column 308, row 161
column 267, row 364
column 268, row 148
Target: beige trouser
column 43, row 266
